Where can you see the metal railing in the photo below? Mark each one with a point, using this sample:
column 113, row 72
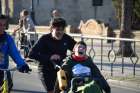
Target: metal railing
column 105, row 55
column 103, row 51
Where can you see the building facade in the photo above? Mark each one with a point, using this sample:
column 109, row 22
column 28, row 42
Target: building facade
column 72, row 10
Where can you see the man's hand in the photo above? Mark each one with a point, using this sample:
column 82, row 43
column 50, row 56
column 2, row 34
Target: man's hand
column 55, row 57
column 24, row 69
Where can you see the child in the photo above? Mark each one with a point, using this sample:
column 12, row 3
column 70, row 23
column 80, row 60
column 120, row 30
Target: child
column 26, row 25
column 8, row 48
column 79, row 59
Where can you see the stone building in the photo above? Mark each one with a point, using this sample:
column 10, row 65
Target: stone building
column 72, row 10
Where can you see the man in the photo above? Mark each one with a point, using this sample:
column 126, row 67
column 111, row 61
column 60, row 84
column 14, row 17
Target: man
column 8, row 48
column 52, row 46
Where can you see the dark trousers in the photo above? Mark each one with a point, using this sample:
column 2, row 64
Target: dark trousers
column 23, row 40
column 48, row 79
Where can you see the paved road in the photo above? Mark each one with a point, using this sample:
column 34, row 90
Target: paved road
column 120, row 89
column 29, row 83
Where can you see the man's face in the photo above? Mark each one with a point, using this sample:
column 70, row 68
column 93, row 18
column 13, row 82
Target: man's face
column 2, row 25
column 80, row 50
column 57, row 32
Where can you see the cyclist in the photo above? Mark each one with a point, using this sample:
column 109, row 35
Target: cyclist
column 55, row 14
column 26, row 25
column 75, row 63
column 8, row 48
column 51, row 46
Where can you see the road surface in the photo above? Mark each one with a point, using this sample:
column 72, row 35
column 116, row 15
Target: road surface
column 30, row 83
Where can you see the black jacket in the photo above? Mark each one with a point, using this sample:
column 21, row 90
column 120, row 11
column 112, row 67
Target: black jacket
column 47, row 46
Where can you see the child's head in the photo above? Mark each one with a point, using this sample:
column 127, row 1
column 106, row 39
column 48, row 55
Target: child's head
column 80, row 48
column 3, row 23
column 55, row 13
column 24, row 13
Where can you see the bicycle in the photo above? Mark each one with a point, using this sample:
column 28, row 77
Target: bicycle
column 30, row 39
column 23, row 41
column 5, row 88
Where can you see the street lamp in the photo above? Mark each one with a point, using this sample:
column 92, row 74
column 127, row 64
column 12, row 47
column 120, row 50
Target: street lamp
column 96, row 3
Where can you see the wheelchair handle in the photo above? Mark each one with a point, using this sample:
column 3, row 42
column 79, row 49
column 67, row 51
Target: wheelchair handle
column 55, row 65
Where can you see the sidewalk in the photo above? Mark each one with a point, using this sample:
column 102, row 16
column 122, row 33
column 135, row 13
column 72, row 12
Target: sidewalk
column 123, row 81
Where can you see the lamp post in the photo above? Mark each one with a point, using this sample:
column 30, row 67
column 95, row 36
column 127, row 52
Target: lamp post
column 32, row 11
column 96, row 3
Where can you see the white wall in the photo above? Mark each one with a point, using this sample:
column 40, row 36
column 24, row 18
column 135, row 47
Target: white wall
column 72, row 10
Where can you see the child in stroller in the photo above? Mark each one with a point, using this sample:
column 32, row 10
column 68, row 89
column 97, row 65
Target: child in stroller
column 83, row 76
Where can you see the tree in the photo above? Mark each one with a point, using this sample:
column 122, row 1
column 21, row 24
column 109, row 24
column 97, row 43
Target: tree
column 136, row 15
column 125, row 48
column 117, row 5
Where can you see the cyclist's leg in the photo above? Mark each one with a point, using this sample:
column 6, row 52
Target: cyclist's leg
column 32, row 39
column 26, row 46
column 22, row 40
column 26, row 51
column 10, row 81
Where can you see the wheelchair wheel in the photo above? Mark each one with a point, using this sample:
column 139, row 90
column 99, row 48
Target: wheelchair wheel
column 87, row 87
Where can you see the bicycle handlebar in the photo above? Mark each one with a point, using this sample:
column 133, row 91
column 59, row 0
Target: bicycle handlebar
column 55, row 65
column 11, row 69
column 14, row 69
